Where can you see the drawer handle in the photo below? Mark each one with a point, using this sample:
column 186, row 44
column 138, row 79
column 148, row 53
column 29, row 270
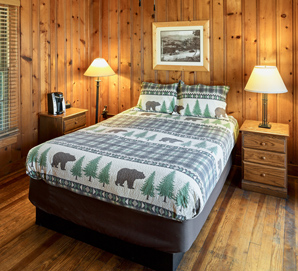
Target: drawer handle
column 263, row 158
column 76, row 122
column 263, row 144
column 263, row 175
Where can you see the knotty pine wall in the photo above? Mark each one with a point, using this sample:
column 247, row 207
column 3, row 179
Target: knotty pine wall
column 60, row 38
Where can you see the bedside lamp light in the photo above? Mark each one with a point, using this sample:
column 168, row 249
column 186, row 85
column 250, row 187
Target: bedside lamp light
column 265, row 80
column 98, row 68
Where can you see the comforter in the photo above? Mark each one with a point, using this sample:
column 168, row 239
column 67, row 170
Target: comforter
column 165, row 165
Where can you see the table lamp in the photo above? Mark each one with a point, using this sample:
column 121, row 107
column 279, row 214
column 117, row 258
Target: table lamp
column 98, row 68
column 265, row 80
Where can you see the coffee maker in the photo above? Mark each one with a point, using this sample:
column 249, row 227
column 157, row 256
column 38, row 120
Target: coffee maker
column 56, row 103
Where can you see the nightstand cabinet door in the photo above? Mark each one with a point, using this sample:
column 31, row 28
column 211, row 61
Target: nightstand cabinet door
column 51, row 126
column 264, row 158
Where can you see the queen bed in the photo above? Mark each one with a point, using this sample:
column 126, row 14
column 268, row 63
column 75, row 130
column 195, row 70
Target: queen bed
column 140, row 184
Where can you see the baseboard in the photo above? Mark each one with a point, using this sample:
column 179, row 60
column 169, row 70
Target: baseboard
column 13, row 168
column 265, row 189
column 293, row 170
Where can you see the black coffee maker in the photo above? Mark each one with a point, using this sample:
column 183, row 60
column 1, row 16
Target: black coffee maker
column 56, row 103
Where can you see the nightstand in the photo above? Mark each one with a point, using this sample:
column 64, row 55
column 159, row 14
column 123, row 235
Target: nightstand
column 264, row 158
column 51, row 126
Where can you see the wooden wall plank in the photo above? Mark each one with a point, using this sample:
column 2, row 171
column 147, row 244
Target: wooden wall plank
column 88, row 38
column 295, row 98
column 219, row 38
column 104, row 93
column 95, row 53
column 125, row 56
column 202, row 12
column 234, row 62
column 44, row 53
column 285, row 66
column 76, row 53
column 234, row 59
column 26, row 76
column 174, row 14
column 113, row 37
column 53, row 47
column 61, row 44
column 148, row 18
column 250, row 99
column 35, row 67
column 69, row 47
column 188, row 10
column 161, row 16
column 136, row 52
column 83, row 55
column 267, row 48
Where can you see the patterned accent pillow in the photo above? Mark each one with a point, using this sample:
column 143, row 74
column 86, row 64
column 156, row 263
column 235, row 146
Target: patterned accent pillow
column 157, row 97
column 202, row 101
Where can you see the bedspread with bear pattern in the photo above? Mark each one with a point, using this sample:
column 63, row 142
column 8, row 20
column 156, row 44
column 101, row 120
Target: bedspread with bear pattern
column 162, row 164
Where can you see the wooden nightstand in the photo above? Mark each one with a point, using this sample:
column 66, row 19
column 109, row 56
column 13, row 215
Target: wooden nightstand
column 51, row 126
column 264, row 158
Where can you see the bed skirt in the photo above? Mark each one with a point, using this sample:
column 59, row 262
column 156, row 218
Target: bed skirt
column 128, row 233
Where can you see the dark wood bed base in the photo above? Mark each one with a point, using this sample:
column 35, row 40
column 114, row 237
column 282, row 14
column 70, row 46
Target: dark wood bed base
column 151, row 257
column 154, row 259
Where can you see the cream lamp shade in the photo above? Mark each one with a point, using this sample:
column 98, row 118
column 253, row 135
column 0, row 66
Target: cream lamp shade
column 265, row 79
column 99, row 68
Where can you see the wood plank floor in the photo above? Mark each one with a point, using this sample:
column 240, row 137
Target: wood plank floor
column 244, row 231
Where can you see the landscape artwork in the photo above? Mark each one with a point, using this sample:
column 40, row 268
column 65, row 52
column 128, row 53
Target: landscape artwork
column 181, row 46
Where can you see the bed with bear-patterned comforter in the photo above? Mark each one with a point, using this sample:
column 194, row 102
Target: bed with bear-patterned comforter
column 160, row 164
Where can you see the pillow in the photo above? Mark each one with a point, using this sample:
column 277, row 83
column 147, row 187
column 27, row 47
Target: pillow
column 202, row 101
column 158, row 97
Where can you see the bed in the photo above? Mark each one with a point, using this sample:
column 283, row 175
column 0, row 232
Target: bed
column 140, row 185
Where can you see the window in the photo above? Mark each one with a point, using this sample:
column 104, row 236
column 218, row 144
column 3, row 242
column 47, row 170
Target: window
column 9, row 70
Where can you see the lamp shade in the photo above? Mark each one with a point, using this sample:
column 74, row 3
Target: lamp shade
column 99, row 68
column 265, row 79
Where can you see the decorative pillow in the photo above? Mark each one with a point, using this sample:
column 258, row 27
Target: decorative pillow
column 158, row 97
column 202, row 101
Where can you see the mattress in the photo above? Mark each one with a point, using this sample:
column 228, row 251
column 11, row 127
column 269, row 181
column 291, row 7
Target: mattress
column 159, row 164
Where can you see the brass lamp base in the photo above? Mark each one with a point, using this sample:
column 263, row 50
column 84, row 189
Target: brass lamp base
column 265, row 123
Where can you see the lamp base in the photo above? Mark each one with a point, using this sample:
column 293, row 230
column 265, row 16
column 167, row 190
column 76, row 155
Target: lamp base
column 265, row 125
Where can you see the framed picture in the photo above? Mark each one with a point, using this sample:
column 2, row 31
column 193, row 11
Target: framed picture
column 181, row 46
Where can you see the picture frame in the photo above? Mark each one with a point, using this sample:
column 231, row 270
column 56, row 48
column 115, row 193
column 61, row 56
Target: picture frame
column 181, row 46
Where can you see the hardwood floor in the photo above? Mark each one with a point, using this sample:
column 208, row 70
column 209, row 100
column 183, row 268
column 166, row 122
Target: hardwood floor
column 244, row 231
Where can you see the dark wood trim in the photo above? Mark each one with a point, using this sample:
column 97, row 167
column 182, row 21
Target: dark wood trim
column 12, row 169
column 264, row 188
column 293, row 170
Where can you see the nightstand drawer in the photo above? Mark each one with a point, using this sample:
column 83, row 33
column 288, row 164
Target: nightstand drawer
column 77, row 122
column 264, row 174
column 264, row 142
column 264, row 157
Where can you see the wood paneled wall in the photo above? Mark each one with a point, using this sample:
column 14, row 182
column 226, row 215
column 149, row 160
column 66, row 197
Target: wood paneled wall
column 60, row 38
